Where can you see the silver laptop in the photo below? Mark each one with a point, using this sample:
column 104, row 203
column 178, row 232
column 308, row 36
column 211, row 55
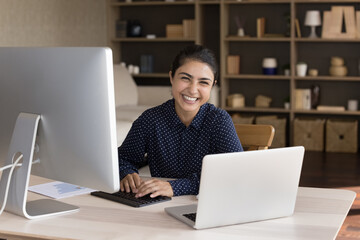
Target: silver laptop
column 244, row 187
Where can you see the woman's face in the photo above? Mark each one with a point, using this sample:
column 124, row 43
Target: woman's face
column 191, row 86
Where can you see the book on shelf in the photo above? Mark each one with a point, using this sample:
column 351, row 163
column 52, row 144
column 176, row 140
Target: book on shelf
column 260, row 27
column 358, row 24
column 233, row 64
column 330, row 108
column 189, row 28
column 174, row 30
column 297, row 27
column 303, row 99
column 121, row 29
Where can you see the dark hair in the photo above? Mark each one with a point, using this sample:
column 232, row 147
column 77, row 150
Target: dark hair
column 196, row 53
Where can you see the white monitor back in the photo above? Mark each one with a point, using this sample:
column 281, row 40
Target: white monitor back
column 72, row 89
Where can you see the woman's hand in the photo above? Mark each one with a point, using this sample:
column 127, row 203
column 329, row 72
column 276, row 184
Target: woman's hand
column 130, row 183
column 155, row 187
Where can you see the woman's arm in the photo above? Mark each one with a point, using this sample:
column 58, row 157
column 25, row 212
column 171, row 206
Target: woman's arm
column 186, row 186
column 131, row 156
column 225, row 136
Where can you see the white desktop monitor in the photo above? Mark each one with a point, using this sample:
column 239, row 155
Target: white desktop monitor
column 72, row 91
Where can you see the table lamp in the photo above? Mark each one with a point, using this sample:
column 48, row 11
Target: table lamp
column 312, row 19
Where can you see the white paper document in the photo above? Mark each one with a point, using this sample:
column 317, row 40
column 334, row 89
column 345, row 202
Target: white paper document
column 59, row 190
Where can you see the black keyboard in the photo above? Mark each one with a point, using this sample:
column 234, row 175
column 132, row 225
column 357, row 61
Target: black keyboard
column 191, row 216
column 130, row 199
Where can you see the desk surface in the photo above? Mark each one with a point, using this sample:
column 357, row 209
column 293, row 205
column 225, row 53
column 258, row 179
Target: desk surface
column 319, row 214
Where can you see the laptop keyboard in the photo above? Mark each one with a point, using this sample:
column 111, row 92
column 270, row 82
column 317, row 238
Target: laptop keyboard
column 191, row 216
column 130, row 199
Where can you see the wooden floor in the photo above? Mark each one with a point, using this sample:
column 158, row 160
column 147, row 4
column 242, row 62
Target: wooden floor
column 336, row 170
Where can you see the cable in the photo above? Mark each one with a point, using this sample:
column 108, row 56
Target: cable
column 12, row 166
column 18, row 165
column 8, row 183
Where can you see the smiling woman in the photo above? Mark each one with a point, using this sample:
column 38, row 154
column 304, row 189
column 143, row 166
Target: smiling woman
column 176, row 135
column 191, row 87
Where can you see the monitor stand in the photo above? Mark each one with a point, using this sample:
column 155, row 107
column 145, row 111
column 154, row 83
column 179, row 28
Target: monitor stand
column 23, row 141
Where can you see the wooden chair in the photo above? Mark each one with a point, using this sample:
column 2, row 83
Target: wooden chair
column 254, row 136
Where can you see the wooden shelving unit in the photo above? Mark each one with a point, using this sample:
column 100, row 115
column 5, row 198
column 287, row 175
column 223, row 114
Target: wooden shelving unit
column 316, row 52
column 216, row 29
column 153, row 16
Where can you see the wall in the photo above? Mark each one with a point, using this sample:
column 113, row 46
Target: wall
column 53, row 23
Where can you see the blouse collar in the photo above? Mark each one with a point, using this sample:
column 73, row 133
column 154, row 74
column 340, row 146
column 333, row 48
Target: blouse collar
column 175, row 120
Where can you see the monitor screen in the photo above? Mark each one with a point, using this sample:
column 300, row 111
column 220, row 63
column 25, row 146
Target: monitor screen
column 72, row 91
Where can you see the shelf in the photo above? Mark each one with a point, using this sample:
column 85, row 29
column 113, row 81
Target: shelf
column 209, row 2
column 325, row 1
column 151, row 75
column 313, row 112
column 283, row 110
column 257, row 76
column 256, row 109
column 329, row 78
column 150, row 3
column 256, row 1
column 256, row 39
column 332, row 40
column 158, row 39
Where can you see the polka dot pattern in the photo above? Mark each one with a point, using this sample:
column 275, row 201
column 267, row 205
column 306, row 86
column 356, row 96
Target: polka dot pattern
column 174, row 150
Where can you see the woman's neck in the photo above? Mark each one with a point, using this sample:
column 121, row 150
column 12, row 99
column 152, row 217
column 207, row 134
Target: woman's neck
column 185, row 117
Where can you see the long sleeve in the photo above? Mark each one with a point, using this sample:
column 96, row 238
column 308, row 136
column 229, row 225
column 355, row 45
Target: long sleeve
column 186, row 186
column 225, row 135
column 131, row 153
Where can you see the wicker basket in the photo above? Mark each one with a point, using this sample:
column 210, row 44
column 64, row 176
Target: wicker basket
column 280, row 129
column 342, row 136
column 239, row 119
column 309, row 133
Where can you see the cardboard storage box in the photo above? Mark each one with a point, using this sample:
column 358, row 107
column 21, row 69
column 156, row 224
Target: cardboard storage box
column 309, row 133
column 342, row 136
column 174, row 31
column 236, row 100
column 280, row 129
column 262, row 101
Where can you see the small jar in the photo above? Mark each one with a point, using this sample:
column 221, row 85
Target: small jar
column 269, row 66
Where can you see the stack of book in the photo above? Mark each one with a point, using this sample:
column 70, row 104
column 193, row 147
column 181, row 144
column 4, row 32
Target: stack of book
column 233, row 64
column 189, row 28
column 330, row 108
column 303, row 99
column 174, row 30
column 146, row 63
column 121, row 29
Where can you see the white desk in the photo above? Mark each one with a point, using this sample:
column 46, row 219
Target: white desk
column 319, row 214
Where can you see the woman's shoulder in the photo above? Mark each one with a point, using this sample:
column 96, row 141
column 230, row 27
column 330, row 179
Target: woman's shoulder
column 215, row 112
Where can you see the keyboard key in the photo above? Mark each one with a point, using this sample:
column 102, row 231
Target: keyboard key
column 191, row 216
column 130, row 199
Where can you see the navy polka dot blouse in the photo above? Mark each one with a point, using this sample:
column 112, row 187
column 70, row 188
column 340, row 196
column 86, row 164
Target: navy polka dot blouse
column 174, row 150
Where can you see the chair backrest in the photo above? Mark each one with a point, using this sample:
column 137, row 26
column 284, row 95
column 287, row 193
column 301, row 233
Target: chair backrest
column 255, row 136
